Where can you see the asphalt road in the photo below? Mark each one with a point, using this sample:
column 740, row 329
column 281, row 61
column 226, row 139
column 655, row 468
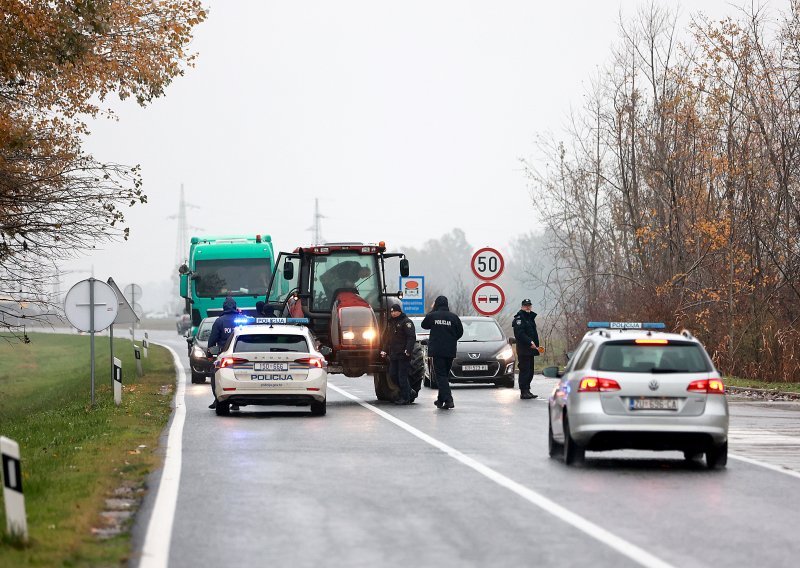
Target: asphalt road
column 416, row 486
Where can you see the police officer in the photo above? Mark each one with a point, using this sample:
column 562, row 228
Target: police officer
column 446, row 329
column 527, row 337
column 398, row 345
column 220, row 332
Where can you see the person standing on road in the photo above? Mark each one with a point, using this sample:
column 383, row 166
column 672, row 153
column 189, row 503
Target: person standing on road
column 220, row 332
column 446, row 330
column 527, row 346
column 398, row 345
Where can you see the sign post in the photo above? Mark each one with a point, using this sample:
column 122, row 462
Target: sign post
column 101, row 301
column 132, row 292
column 125, row 314
column 16, row 519
column 488, row 298
column 117, row 376
column 413, row 290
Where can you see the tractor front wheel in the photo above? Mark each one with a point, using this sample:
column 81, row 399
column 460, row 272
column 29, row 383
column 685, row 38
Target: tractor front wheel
column 385, row 389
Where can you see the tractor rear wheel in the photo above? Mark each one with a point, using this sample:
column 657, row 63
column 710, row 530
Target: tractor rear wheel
column 417, row 372
column 385, row 389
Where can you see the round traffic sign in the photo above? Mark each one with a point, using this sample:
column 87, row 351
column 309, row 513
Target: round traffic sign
column 133, row 292
column 78, row 307
column 487, row 263
column 488, row 298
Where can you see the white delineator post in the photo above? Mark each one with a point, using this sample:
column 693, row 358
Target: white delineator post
column 138, row 354
column 145, row 344
column 16, row 520
column 117, row 381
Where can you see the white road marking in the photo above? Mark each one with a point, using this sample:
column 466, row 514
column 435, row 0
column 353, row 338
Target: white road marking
column 155, row 552
column 781, row 450
column 638, row 555
column 766, row 465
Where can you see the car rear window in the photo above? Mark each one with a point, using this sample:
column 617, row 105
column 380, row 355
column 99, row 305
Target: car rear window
column 675, row 357
column 271, row 343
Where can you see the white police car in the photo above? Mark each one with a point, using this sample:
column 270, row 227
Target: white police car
column 271, row 361
column 632, row 386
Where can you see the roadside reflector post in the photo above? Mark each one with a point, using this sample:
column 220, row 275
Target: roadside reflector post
column 145, row 344
column 117, row 381
column 16, row 520
column 138, row 354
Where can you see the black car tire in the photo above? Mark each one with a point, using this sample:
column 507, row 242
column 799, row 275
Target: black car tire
column 507, row 383
column 690, row 455
column 573, row 453
column 717, row 456
column 319, row 408
column 427, row 382
column 198, row 378
column 554, row 448
column 223, row 408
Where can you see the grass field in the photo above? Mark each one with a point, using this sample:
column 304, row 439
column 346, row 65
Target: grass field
column 75, row 456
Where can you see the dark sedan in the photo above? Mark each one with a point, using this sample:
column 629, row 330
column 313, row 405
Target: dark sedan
column 484, row 355
column 201, row 365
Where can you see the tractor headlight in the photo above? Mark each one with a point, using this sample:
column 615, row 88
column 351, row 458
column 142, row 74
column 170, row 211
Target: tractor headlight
column 505, row 354
column 348, row 335
column 369, row 334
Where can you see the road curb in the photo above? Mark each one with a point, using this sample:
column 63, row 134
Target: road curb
column 769, row 394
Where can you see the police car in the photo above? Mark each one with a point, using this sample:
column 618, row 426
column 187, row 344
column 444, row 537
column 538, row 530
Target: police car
column 633, row 386
column 271, row 361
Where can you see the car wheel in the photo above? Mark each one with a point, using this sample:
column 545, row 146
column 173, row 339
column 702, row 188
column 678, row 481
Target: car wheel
column 427, row 382
column 717, row 456
column 198, row 378
column 318, row 408
column 508, row 383
column 689, row 455
column 573, row 453
column 554, row 448
column 223, row 408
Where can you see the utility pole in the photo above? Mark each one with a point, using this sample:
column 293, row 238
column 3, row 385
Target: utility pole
column 316, row 227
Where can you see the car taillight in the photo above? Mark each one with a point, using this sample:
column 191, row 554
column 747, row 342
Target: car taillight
column 708, row 386
column 597, row 384
column 315, row 362
column 230, row 362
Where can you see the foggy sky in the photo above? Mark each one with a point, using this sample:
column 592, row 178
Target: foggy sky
column 406, row 119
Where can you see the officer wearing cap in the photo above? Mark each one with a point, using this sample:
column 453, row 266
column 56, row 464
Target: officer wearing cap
column 398, row 345
column 527, row 337
column 220, row 332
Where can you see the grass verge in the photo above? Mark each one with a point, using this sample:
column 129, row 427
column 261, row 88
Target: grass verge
column 75, row 456
column 752, row 383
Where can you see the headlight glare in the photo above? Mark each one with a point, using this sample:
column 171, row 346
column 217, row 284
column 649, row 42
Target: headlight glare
column 505, row 354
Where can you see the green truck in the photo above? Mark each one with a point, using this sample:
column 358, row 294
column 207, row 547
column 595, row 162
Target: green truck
column 220, row 266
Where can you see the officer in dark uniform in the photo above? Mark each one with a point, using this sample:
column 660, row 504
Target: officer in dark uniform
column 527, row 337
column 220, row 332
column 398, row 346
column 446, row 330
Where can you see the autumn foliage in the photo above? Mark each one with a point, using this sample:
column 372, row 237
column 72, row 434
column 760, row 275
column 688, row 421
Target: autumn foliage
column 676, row 196
column 59, row 63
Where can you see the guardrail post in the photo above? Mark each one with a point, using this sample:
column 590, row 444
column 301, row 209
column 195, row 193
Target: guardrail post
column 16, row 519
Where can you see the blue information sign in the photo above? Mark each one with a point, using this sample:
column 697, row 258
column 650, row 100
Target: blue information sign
column 413, row 289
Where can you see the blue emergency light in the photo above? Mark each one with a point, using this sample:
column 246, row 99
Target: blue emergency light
column 625, row 325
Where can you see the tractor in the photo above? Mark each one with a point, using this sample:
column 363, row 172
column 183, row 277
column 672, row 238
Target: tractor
column 341, row 288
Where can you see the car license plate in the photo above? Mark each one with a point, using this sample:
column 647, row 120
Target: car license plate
column 271, row 367
column 475, row 367
column 653, row 403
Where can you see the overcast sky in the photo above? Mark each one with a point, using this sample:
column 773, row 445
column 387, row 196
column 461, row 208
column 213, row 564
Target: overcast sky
column 405, row 119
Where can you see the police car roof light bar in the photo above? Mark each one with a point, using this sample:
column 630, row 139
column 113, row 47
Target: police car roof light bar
column 248, row 320
column 625, row 325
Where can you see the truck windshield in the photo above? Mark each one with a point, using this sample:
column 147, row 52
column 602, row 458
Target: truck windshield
column 232, row 277
column 344, row 271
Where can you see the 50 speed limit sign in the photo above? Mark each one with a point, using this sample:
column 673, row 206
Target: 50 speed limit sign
column 487, row 263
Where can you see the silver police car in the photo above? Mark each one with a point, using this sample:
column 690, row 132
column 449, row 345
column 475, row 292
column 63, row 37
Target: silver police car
column 633, row 386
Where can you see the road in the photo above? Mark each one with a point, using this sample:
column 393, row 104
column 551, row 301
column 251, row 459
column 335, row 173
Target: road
column 372, row 484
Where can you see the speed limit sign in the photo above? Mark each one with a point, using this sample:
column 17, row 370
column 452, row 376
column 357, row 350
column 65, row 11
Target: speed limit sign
column 487, row 263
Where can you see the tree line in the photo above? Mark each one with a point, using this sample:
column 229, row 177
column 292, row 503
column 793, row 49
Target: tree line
column 675, row 194
column 59, row 64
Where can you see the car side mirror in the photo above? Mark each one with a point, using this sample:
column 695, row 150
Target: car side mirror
column 214, row 350
column 404, row 268
column 183, row 269
column 512, row 341
column 552, row 373
column 189, row 340
column 288, row 271
column 325, row 350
